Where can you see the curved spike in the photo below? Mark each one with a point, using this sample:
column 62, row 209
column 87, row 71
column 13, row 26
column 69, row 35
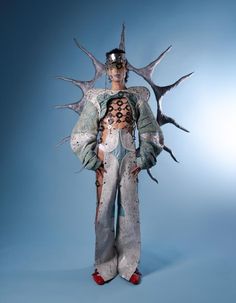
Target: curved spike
column 99, row 67
column 79, row 171
column 65, row 139
column 147, row 71
column 159, row 92
column 122, row 38
column 164, row 89
column 76, row 106
column 83, row 85
column 163, row 119
column 167, row 149
column 151, row 176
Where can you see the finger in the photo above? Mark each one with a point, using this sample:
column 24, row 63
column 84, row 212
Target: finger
column 134, row 171
column 137, row 170
column 99, row 172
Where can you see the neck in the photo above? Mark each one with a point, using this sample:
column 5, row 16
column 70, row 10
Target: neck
column 118, row 86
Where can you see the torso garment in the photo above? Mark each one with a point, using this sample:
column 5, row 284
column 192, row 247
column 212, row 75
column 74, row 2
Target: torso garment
column 118, row 109
column 118, row 115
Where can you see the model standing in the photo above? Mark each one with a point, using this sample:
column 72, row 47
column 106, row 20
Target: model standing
column 104, row 140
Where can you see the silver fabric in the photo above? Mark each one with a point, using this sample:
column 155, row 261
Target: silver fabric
column 118, row 251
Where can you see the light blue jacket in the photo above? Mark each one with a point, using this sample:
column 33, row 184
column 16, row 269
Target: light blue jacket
column 84, row 134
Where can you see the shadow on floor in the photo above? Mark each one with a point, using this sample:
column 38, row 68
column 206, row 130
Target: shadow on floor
column 156, row 261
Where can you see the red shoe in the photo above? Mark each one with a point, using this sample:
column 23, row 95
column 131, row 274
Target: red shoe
column 98, row 278
column 136, row 277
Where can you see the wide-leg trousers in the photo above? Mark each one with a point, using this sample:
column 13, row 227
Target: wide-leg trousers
column 117, row 251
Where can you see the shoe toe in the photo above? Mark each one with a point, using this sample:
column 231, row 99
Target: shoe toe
column 135, row 278
column 98, row 278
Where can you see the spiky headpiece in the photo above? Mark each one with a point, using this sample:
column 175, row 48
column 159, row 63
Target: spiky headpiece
column 145, row 72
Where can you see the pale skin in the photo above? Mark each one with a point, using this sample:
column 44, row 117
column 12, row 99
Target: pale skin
column 117, row 77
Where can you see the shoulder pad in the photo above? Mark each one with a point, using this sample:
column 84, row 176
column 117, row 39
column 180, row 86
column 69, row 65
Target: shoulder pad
column 92, row 94
column 142, row 92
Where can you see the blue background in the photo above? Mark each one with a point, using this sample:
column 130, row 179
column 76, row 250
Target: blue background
column 47, row 209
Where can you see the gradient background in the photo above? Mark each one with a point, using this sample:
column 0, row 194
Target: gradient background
column 47, row 210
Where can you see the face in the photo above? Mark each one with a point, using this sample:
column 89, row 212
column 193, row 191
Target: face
column 117, row 72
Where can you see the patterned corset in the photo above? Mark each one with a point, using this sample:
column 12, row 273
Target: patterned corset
column 118, row 115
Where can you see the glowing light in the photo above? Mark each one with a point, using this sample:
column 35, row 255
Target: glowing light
column 219, row 137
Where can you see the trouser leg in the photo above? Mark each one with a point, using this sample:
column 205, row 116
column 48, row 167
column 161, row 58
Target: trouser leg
column 128, row 226
column 105, row 250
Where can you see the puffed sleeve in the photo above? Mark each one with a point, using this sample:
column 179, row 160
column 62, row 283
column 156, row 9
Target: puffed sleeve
column 84, row 137
column 151, row 139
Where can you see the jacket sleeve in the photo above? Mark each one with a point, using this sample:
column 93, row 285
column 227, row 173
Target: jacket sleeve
column 84, row 137
column 151, row 139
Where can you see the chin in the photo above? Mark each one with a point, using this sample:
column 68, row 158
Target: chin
column 117, row 79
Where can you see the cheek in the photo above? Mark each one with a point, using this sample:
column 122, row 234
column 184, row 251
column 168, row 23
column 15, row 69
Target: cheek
column 110, row 74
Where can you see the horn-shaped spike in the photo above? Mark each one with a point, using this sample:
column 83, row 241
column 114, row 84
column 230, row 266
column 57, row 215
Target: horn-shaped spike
column 151, row 176
column 163, row 119
column 165, row 89
column 167, row 149
column 159, row 91
column 122, row 38
column 65, row 139
column 84, row 85
column 147, row 71
column 76, row 106
column 99, row 67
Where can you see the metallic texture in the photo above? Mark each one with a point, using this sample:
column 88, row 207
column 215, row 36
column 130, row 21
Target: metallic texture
column 117, row 60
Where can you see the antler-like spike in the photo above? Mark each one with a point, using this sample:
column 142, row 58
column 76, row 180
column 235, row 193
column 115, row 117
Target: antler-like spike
column 151, row 176
column 65, row 139
column 164, row 89
column 163, row 119
column 167, row 149
column 159, row 91
column 84, row 85
column 76, row 106
column 122, row 38
column 147, row 71
column 99, row 67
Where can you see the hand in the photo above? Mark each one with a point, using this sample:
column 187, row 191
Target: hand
column 135, row 170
